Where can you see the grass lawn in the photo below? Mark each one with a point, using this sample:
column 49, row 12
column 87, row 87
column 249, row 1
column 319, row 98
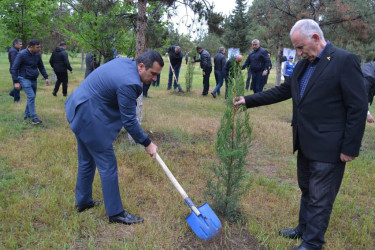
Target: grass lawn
column 38, row 166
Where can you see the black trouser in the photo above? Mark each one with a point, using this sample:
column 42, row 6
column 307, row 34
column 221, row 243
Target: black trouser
column 257, row 83
column 319, row 183
column 145, row 89
column 62, row 77
column 15, row 93
column 206, row 81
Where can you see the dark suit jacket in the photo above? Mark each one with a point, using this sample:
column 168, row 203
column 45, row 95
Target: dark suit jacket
column 106, row 101
column 330, row 117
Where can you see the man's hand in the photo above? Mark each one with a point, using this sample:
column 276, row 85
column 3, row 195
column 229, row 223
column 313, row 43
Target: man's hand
column 204, row 73
column 239, row 100
column 370, row 118
column 265, row 72
column 17, row 86
column 47, row 82
column 346, row 158
column 71, row 72
column 151, row 150
column 167, row 54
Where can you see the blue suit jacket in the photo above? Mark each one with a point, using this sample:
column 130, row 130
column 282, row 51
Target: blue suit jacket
column 104, row 102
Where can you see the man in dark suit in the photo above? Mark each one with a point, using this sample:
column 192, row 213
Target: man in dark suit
column 258, row 63
column 206, row 66
column 97, row 110
column 329, row 114
column 60, row 64
column 175, row 58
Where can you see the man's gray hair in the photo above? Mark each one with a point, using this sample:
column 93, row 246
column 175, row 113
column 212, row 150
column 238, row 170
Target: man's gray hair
column 307, row 27
column 255, row 41
column 177, row 48
column 221, row 49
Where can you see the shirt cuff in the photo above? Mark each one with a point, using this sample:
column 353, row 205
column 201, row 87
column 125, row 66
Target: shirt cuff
column 146, row 142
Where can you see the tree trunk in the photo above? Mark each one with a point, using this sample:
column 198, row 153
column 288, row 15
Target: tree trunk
column 83, row 59
column 141, row 28
column 280, row 48
column 140, row 49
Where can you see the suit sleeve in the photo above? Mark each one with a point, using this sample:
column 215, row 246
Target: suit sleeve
column 15, row 67
column 355, row 101
column 274, row 95
column 127, row 99
column 204, row 59
column 66, row 61
column 42, row 69
column 12, row 56
column 247, row 63
column 223, row 64
column 51, row 60
column 267, row 60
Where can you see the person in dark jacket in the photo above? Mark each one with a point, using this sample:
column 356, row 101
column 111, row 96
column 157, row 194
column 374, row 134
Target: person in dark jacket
column 229, row 70
column 206, row 66
column 59, row 62
column 259, row 63
column 12, row 54
column 329, row 117
column 269, row 69
column 102, row 104
column 219, row 62
column 175, row 58
column 25, row 73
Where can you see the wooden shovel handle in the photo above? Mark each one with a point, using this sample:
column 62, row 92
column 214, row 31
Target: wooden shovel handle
column 175, row 183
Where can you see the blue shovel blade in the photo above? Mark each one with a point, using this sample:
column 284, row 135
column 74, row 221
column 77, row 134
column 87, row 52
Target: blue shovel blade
column 206, row 225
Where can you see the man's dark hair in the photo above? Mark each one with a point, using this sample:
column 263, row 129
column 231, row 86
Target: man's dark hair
column 62, row 44
column 34, row 42
column 199, row 47
column 16, row 41
column 149, row 57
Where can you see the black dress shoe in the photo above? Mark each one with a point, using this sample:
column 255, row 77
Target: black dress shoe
column 81, row 208
column 291, row 233
column 300, row 247
column 125, row 218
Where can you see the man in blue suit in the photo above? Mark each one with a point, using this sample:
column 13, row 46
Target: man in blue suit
column 97, row 110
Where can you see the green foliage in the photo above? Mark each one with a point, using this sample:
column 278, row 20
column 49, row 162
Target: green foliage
column 5, row 41
column 27, row 19
column 230, row 179
column 99, row 26
column 236, row 28
column 189, row 75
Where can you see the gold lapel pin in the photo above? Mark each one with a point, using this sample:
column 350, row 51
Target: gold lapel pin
column 328, row 58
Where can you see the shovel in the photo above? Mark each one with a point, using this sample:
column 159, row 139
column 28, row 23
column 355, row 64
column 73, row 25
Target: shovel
column 202, row 220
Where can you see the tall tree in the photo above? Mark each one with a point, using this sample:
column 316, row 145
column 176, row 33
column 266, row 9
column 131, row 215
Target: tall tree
column 103, row 26
column 230, row 179
column 26, row 19
column 236, row 27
